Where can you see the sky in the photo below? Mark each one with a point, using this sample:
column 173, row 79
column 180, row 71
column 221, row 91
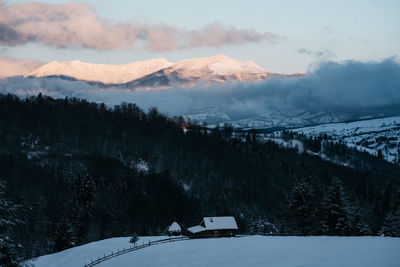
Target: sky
column 280, row 36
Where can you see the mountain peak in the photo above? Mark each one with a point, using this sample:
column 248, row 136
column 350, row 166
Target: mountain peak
column 218, row 68
column 104, row 73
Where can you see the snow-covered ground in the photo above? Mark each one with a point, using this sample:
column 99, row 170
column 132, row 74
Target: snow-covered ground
column 80, row 255
column 242, row 251
column 365, row 135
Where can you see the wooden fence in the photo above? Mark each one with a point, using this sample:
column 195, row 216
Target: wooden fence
column 133, row 248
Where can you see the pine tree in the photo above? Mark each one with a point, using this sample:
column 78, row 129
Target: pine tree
column 391, row 225
column 301, row 205
column 82, row 215
column 64, row 238
column 8, row 256
column 360, row 227
column 261, row 226
column 336, row 215
column 384, row 206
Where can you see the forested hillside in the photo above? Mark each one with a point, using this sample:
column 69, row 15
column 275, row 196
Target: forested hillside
column 82, row 171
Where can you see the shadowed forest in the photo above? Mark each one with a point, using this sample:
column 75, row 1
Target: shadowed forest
column 78, row 171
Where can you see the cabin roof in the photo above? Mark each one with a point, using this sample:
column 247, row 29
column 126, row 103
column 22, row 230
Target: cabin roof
column 174, row 227
column 196, row 229
column 215, row 223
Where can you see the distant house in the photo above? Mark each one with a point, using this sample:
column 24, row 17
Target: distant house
column 214, row 227
column 174, row 229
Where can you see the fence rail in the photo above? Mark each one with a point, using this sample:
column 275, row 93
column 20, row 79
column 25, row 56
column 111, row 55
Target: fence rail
column 135, row 247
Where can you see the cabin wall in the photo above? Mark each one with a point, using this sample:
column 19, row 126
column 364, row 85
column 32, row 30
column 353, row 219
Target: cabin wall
column 213, row 233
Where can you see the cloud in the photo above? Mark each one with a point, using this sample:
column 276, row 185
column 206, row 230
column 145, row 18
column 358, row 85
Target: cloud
column 317, row 54
column 12, row 66
column 347, row 86
column 78, row 25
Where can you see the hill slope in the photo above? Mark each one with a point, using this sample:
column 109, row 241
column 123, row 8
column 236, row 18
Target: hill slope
column 245, row 251
column 365, row 135
column 100, row 172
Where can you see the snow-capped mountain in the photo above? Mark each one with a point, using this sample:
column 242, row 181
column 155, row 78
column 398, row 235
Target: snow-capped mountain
column 218, row 68
column 156, row 73
column 103, row 73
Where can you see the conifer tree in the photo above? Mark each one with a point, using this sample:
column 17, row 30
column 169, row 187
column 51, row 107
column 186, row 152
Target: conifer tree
column 301, row 205
column 391, row 223
column 82, row 207
column 359, row 225
column 64, row 236
column 336, row 215
column 8, row 257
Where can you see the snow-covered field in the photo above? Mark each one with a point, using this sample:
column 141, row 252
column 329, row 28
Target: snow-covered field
column 80, row 255
column 365, row 135
column 241, row 251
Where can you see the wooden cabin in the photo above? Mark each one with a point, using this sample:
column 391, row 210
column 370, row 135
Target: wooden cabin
column 214, row 227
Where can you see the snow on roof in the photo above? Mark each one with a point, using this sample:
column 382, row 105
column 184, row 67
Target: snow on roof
column 174, row 227
column 196, row 229
column 214, row 223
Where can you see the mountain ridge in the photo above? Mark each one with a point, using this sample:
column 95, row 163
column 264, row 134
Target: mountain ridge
column 158, row 73
column 104, row 73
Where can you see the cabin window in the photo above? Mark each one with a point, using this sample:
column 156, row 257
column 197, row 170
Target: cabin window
column 202, row 224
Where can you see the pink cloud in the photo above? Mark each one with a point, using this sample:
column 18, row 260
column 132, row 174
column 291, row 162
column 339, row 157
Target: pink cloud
column 79, row 25
column 13, row 66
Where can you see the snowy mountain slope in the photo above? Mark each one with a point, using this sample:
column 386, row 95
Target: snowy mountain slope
column 281, row 118
column 365, row 135
column 189, row 72
column 107, row 74
column 219, row 67
column 243, row 251
column 157, row 72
